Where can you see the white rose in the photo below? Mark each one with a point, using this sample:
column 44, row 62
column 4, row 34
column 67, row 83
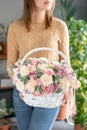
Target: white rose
column 46, row 80
column 64, row 83
column 24, row 70
column 19, row 85
column 30, row 86
column 42, row 66
column 75, row 83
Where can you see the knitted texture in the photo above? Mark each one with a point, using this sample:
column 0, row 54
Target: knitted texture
column 20, row 40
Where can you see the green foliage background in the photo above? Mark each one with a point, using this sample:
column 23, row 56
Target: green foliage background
column 78, row 54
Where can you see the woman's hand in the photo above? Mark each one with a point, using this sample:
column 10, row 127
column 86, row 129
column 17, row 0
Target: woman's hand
column 21, row 95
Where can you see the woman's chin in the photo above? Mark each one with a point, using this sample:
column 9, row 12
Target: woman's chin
column 48, row 8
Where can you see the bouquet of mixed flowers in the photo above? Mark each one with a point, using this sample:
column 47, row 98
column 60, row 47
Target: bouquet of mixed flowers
column 43, row 82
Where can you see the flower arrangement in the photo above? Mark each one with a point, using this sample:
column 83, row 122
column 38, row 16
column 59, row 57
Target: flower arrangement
column 42, row 77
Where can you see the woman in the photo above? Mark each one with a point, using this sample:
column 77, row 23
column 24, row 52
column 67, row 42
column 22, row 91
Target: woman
column 37, row 28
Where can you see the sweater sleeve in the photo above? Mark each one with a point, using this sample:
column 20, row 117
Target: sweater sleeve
column 12, row 49
column 64, row 41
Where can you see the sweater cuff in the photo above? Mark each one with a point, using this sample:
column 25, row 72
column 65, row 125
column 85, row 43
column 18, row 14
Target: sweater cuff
column 10, row 73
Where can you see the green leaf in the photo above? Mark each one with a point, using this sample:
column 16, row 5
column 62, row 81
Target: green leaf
column 39, row 72
column 25, row 79
column 78, row 54
column 27, row 62
column 56, row 78
column 67, row 9
column 19, row 76
column 42, row 61
column 38, row 88
column 59, row 90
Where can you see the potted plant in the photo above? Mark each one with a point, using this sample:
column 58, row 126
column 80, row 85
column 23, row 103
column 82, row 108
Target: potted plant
column 4, row 124
column 0, row 48
column 78, row 54
column 3, row 39
column 4, row 111
column 67, row 9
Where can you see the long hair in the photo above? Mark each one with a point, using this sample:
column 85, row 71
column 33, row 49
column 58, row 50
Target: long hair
column 29, row 7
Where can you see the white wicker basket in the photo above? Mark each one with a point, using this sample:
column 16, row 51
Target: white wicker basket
column 51, row 101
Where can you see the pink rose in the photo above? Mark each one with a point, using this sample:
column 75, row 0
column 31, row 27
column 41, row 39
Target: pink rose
column 31, row 68
column 35, row 61
column 74, row 83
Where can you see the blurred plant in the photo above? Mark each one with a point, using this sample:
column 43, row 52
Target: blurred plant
column 3, row 33
column 67, row 9
column 78, row 54
column 4, row 110
column 0, row 48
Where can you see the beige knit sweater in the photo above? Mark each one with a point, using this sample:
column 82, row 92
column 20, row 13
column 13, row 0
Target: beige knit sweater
column 20, row 41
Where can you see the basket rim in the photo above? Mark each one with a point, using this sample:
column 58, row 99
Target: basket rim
column 44, row 48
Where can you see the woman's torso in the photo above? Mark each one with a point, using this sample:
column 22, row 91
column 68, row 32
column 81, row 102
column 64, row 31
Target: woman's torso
column 38, row 37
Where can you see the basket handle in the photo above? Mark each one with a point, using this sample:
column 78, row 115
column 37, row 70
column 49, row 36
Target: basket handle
column 43, row 48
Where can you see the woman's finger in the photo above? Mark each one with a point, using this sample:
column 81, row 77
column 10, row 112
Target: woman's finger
column 21, row 95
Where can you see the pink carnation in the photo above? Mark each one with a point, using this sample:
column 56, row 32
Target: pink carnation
column 49, row 90
column 32, row 68
column 35, row 61
column 45, row 73
column 36, row 93
column 50, row 72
